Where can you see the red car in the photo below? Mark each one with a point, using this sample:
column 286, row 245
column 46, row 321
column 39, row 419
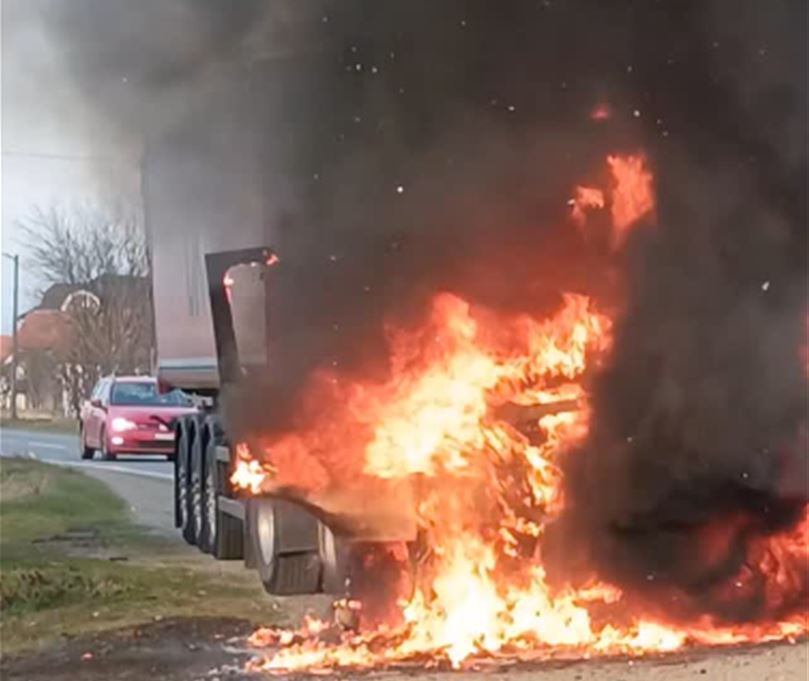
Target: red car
column 129, row 415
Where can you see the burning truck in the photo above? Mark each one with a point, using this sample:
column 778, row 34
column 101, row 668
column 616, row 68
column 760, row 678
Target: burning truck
column 515, row 366
column 432, row 500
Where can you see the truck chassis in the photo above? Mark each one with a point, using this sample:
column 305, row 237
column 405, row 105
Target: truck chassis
column 292, row 551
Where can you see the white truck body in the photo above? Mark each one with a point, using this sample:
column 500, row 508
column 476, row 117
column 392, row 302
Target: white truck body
column 189, row 212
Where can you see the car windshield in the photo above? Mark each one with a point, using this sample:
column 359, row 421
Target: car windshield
column 146, row 394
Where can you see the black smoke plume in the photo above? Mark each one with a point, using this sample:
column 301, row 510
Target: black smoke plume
column 388, row 150
column 699, row 421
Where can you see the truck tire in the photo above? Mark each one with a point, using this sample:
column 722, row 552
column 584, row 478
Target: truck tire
column 182, row 485
column 333, row 559
column 282, row 574
column 197, row 478
column 222, row 534
column 176, row 476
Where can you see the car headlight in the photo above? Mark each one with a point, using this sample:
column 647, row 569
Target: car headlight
column 120, row 424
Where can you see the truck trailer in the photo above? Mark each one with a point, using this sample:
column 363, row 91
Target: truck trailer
column 292, row 550
column 212, row 284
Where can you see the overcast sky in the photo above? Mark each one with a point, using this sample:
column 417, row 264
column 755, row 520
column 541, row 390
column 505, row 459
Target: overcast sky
column 55, row 147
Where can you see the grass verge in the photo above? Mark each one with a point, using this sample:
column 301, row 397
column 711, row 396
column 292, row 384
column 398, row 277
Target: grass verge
column 72, row 562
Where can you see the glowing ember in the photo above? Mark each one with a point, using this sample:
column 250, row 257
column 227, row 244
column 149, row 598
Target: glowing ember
column 587, row 198
column 227, row 282
column 601, row 112
column 776, row 558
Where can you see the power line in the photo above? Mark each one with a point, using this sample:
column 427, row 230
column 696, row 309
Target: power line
column 85, row 158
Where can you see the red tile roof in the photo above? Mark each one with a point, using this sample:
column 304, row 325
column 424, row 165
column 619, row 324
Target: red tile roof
column 6, row 345
column 44, row 330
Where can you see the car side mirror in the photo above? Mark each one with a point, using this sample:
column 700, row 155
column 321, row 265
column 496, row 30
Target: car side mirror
column 95, row 402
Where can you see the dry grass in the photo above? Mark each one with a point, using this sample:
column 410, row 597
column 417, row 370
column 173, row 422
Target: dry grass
column 71, row 562
column 42, row 424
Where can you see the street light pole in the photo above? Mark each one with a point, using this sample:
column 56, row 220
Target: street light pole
column 15, row 314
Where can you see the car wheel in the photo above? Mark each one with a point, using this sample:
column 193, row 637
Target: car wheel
column 105, row 448
column 282, row 574
column 86, row 452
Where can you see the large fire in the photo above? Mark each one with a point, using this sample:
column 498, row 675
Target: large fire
column 478, row 413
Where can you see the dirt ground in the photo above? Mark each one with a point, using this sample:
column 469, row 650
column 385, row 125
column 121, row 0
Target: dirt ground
column 209, row 649
column 168, row 650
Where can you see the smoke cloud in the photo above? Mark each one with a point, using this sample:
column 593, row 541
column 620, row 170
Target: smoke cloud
column 384, row 152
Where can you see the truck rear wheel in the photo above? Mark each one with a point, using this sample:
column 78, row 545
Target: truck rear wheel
column 197, row 482
column 182, row 482
column 281, row 573
column 222, row 534
column 333, row 559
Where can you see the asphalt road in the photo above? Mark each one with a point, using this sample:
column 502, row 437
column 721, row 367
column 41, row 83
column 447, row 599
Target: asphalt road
column 144, row 482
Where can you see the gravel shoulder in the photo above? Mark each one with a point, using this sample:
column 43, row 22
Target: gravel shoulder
column 86, row 594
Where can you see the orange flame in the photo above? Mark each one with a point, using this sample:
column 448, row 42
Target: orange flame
column 630, row 196
column 478, row 413
column 489, row 484
column 249, row 474
column 632, row 193
column 776, row 557
column 471, row 614
column 587, row 198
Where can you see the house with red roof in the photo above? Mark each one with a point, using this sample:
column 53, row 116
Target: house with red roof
column 43, row 340
column 45, row 337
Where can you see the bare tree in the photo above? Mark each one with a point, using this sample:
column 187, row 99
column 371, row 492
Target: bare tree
column 104, row 261
column 41, row 374
column 80, row 245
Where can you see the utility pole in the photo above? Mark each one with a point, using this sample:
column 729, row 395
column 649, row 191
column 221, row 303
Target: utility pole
column 15, row 314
